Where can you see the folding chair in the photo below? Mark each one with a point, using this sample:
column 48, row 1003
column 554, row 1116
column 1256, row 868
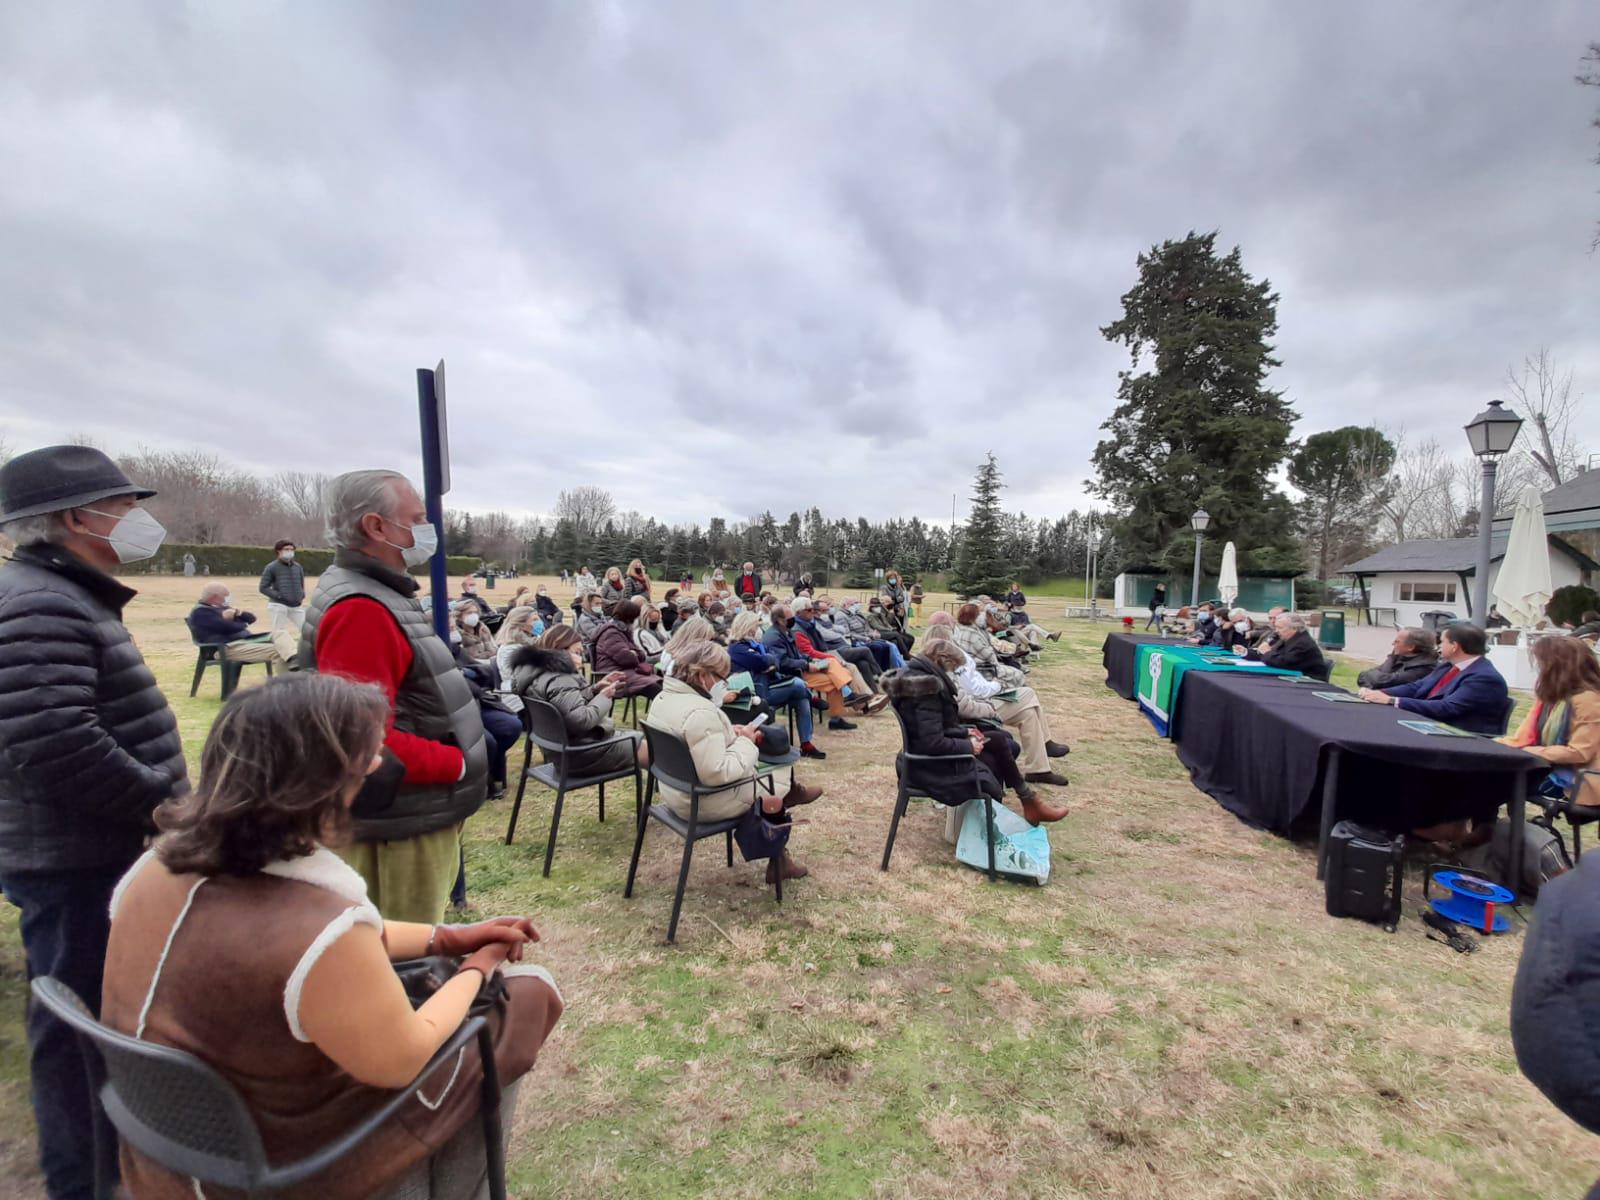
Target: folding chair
column 673, row 765
column 961, row 765
column 179, row 1112
column 1566, row 805
column 548, row 730
column 211, row 654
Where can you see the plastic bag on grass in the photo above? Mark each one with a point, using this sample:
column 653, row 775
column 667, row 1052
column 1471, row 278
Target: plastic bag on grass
column 1021, row 851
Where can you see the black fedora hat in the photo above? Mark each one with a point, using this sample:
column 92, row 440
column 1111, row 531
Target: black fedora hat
column 56, row 478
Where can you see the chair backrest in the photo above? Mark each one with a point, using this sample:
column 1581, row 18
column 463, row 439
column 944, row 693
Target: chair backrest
column 194, row 636
column 1322, row 673
column 1505, row 714
column 546, row 725
column 166, row 1103
column 670, row 760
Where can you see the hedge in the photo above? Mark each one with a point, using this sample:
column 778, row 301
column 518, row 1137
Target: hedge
column 249, row 560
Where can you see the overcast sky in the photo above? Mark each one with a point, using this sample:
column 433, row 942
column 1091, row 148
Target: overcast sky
column 722, row 257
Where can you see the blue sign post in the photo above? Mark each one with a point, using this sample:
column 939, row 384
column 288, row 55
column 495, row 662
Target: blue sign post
column 435, row 483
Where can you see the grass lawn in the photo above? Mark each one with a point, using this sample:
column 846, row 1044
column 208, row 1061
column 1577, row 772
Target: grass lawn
column 1172, row 1015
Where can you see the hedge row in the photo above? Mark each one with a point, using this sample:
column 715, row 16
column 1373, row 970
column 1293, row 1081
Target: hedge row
column 249, row 560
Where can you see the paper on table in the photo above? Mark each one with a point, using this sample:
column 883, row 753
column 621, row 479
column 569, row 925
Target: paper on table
column 1434, row 729
column 1339, row 697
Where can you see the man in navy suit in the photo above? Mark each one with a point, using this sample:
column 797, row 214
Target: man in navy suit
column 1464, row 690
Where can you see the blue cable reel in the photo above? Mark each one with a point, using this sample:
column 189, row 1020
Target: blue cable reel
column 1472, row 900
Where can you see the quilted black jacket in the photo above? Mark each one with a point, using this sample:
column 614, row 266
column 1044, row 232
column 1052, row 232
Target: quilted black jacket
column 88, row 746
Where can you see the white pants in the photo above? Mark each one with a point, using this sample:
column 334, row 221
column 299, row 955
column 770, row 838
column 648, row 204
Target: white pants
column 286, row 626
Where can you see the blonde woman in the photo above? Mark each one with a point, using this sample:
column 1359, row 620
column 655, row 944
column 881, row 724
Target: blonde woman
column 637, row 583
column 649, row 635
column 613, row 591
column 688, row 631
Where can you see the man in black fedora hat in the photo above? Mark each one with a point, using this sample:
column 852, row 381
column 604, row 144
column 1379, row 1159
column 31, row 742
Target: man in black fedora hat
column 91, row 749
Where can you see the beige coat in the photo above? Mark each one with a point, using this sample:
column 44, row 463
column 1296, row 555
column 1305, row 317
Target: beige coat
column 720, row 755
column 1582, row 748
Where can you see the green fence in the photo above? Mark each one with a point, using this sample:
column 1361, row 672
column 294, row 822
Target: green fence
column 1256, row 593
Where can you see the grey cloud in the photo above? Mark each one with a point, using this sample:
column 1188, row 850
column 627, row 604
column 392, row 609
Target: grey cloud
column 642, row 233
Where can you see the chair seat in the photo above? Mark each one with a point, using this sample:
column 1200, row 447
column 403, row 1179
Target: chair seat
column 549, row 775
column 680, row 825
column 1578, row 814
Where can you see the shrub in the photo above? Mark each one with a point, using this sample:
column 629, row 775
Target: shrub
column 249, row 560
column 1568, row 604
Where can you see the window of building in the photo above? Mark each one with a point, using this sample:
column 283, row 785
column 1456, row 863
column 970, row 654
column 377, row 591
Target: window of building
column 1433, row 592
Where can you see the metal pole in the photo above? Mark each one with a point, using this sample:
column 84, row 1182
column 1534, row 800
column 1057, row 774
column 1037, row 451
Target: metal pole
column 1094, row 576
column 435, row 482
column 1088, row 550
column 1480, row 585
column 1194, row 587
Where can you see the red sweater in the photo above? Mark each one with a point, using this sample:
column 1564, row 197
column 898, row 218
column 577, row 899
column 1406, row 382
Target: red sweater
column 805, row 646
column 359, row 639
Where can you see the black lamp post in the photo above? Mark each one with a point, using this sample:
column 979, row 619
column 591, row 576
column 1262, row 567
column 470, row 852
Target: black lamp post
column 1198, row 523
column 1491, row 434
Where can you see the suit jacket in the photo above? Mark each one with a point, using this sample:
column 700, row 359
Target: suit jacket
column 1475, row 700
column 1298, row 653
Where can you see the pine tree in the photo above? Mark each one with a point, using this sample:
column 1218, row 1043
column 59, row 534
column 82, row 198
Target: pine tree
column 1199, row 428
column 982, row 567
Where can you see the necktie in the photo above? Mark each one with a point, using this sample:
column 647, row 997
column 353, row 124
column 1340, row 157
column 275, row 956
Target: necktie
column 1444, row 681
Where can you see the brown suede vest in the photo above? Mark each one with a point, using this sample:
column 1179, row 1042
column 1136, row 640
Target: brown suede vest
column 220, row 996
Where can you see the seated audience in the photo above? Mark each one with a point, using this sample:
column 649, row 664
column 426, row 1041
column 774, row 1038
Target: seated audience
column 1294, row 649
column 549, row 612
column 689, row 629
column 649, row 634
column 1411, row 656
column 1563, row 727
column 552, row 671
column 925, row 696
column 849, row 620
column 1018, row 710
column 612, row 590
column 717, row 585
column 242, row 939
column 592, row 618
column 975, row 641
column 215, row 619
column 477, row 643
column 471, row 600
column 1015, row 642
column 777, row 687
column 723, row 753
column 821, row 641
column 669, row 609
column 1464, row 690
column 614, row 652
column 825, row 676
column 522, row 628
column 886, row 627
column 717, row 613
column 637, row 583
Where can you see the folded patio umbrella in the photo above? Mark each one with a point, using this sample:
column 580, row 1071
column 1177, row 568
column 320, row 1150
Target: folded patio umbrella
column 1228, row 580
column 1522, row 588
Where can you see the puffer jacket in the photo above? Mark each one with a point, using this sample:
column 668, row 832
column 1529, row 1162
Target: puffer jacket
column 284, row 583
column 926, row 701
column 88, row 745
column 720, row 755
column 548, row 675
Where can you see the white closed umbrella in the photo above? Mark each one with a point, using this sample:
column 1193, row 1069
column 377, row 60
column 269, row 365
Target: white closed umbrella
column 1228, row 580
column 1522, row 588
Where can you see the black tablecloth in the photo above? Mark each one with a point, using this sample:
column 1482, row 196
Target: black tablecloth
column 1120, row 654
column 1258, row 746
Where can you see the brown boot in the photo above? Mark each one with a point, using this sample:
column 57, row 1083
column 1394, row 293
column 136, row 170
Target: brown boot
column 792, row 868
column 1038, row 811
column 799, row 794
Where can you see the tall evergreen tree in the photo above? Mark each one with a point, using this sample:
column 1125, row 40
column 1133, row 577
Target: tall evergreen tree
column 1200, row 428
column 982, row 567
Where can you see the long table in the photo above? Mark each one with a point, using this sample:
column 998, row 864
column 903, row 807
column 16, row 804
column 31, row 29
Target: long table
column 1268, row 749
column 1120, row 655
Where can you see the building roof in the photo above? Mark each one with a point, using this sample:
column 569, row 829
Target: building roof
column 1458, row 556
column 1576, row 494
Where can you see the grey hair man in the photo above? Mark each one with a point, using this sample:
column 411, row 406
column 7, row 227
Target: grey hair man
column 216, row 621
column 1412, row 656
column 90, row 750
column 365, row 623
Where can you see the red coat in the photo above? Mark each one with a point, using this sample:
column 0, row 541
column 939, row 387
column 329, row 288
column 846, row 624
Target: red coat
column 614, row 651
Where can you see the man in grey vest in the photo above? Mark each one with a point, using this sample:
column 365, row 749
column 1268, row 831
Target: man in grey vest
column 365, row 623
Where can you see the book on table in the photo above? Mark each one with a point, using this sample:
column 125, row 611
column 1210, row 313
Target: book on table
column 1339, row 697
column 1436, row 729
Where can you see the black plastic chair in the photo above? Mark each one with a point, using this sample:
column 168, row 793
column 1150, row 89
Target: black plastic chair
column 545, row 728
column 179, row 1112
column 1323, row 673
column 964, row 768
column 672, row 763
column 1505, row 714
column 1566, row 805
column 211, row 655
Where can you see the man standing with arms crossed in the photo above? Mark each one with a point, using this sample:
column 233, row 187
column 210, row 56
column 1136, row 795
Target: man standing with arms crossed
column 88, row 749
column 366, row 624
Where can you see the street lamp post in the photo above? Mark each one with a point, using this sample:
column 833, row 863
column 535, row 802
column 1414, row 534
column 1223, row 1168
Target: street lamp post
column 1491, row 434
column 1198, row 523
column 1094, row 547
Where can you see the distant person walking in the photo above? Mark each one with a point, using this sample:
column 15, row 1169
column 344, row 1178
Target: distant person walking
column 283, row 583
column 1158, row 601
column 365, row 623
column 88, row 749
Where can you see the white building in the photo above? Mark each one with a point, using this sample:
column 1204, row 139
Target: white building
column 1436, row 575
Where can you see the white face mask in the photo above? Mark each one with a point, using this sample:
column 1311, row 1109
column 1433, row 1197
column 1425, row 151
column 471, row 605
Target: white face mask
column 717, row 691
column 227, row 601
column 471, row 620
column 135, row 536
column 424, row 545
column 286, row 555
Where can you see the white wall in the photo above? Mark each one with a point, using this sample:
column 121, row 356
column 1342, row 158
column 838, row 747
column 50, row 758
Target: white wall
column 1385, row 589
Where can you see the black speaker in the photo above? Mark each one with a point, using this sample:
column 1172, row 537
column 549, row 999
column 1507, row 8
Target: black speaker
column 1364, row 874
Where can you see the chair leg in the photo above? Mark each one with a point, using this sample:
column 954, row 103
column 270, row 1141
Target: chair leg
column 777, row 876
column 988, row 830
column 522, row 786
column 683, row 881
column 633, row 864
column 199, row 670
column 494, row 1147
column 555, row 824
column 900, row 799
column 638, row 797
column 230, row 675
column 602, row 802
column 730, row 847
column 1577, row 845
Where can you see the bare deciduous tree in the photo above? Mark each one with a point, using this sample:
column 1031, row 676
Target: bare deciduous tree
column 1542, row 394
column 587, row 507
